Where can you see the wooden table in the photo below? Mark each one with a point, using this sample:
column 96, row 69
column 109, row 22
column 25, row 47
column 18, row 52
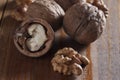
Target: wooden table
column 104, row 54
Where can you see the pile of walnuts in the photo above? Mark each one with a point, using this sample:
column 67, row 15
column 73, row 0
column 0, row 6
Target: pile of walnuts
column 83, row 20
column 68, row 61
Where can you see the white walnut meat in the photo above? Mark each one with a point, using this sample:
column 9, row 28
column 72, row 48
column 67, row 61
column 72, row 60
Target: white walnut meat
column 38, row 37
column 34, row 37
column 69, row 62
column 85, row 22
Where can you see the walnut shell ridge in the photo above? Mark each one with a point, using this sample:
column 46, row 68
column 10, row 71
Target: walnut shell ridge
column 84, row 22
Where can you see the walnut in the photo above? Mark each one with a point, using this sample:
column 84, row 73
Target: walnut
column 76, row 69
column 101, row 5
column 66, row 4
column 68, row 61
column 24, row 2
column 34, row 37
column 85, row 22
column 47, row 10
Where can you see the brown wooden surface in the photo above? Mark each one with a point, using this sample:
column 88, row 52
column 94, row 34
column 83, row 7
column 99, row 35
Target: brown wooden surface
column 104, row 53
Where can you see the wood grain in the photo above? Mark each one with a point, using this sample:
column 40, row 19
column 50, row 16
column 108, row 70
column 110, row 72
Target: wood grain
column 3, row 4
column 103, row 54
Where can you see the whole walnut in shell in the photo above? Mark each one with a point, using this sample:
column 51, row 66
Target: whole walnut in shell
column 68, row 61
column 66, row 4
column 85, row 22
column 47, row 10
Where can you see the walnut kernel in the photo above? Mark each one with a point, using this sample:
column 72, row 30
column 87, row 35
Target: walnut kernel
column 38, row 37
column 68, row 61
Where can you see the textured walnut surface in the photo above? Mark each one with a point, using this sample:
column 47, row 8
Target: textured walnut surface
column 68, row 61
column 48, row 10
column 24, row 2
column 66, row 4
column 84, row 22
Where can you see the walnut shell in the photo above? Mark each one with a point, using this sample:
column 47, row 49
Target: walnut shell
column 84, row 22
column 24, row 2
column 47, row 10
column 66, row 4
column 22, row 36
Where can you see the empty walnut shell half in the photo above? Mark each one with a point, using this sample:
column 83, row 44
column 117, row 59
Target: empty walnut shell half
column 47, row 10
column 34, row 37
column 84, row 22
